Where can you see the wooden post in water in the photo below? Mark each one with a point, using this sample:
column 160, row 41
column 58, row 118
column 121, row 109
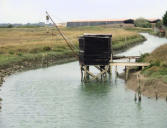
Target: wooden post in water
column 85, row 73
column 156, row 94
column 126, row 72
column 139, row 88
column 81, row 67
column 116, row 71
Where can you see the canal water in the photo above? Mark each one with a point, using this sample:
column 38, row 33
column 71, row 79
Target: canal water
column 54, row 97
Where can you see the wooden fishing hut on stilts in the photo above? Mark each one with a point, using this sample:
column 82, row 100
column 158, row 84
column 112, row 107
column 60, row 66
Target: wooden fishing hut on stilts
column 95, row 50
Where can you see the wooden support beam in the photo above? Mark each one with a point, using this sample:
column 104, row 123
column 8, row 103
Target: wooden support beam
column 97, row 67
column 101, row 73
column 91, row 74
column 116, row 71
column 129, row 64
column 85, row 71
column 81, row 73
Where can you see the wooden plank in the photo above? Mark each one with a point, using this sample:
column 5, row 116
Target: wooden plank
column 125, row 57
column 129, row 64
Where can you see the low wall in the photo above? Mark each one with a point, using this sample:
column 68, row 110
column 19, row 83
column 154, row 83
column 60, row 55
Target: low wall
column 92, row 23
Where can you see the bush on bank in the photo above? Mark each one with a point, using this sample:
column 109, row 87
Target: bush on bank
column 141, row 22
column 158, row 60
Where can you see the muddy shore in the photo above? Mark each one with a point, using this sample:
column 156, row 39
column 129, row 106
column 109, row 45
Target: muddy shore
column 28, row 65
column 150, row 88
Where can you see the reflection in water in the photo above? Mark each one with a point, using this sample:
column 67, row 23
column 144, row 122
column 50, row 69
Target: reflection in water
column 96, row 87
column 55, row 98
column 0, row 104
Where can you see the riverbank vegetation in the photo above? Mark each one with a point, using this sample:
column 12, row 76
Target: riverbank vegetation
column 153, row 79
column 31, row 44
column 158, row 68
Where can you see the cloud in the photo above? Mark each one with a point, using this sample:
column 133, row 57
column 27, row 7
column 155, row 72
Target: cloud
column 34, row 10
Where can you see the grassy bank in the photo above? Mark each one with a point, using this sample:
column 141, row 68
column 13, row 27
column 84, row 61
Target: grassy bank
column 139, row 29
column 18, row 45
column 153, row 79
column 158, row 67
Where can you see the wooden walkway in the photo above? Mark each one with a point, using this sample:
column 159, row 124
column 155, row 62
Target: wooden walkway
column 129, row 64
column 125, row 57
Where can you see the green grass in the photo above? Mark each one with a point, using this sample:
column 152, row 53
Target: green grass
column 158, row 67
column 125, row 43
column 139, row 29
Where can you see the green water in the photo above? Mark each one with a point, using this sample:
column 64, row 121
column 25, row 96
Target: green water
column 54, row 97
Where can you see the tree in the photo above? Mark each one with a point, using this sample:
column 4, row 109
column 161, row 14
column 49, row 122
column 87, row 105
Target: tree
column 159, row 24
column 141, row 22
column 10, row 26
column 165, row 19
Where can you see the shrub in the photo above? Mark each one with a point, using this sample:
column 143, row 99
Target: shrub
column 19, row 54
column 46, row 48
column 11, row 52
column 10, row 26
column 141, row 22
column 143, row 56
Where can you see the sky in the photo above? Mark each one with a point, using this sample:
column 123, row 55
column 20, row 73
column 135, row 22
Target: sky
column 33, row 11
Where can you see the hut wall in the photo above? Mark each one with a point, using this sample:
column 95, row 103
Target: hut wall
column 95, row 49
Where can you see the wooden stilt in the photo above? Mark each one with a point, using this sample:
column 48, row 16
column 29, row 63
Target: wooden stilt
column 81, row 73
column 135, row 99
column 156, row 94
column 139, row 89
column 109, row 70
column 139, row 98
column 101, row 73
column 87, row 74
column 110, row 74
column 127, row 76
